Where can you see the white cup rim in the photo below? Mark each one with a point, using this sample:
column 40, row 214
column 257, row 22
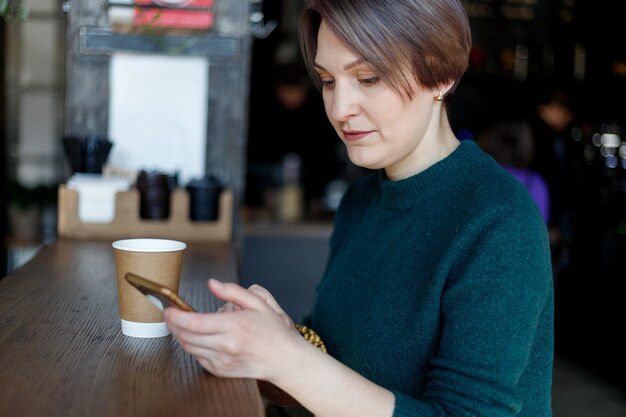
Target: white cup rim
column 149, row 245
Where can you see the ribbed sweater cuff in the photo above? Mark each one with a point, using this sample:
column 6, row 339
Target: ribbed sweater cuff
column 409, row 407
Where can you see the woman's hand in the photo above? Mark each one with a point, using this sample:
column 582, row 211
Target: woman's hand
column 254, row 338
column 246, row 340
column 266, row 296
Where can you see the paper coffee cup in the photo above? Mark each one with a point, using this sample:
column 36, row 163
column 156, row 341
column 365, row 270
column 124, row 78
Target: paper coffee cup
column 159, row 260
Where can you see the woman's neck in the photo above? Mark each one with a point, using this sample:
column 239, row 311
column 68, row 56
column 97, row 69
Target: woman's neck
column 437, row 143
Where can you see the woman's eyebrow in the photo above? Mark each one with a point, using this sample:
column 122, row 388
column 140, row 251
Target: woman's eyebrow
column 346, row 67
column 319, row 67
column 354, row 63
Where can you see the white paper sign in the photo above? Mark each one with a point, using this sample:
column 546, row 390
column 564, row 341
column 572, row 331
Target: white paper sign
column 158, row 113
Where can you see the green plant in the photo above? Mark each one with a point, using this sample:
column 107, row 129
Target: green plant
column 8, row 11
column 23, row 197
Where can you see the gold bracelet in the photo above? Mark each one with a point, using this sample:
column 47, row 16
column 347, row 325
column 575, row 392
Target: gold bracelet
column 312, row 337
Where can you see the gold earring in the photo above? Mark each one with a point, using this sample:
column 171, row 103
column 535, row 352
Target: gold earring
column 439, row 97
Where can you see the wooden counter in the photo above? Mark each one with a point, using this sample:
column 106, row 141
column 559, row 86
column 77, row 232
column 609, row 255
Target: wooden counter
column 62, row 352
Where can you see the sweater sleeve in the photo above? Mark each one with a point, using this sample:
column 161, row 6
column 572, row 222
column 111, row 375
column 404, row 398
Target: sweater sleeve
column 497, row 298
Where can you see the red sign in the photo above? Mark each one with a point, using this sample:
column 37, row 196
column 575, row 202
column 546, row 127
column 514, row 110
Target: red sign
column 185, row 14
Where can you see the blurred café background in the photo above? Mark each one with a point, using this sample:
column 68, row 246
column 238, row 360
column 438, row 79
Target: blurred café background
column 220, row 95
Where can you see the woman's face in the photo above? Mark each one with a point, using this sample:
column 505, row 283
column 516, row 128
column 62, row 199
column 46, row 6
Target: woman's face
column 380, row 128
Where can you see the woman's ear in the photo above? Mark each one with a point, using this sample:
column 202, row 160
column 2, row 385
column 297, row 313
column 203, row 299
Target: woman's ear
column 447, row 88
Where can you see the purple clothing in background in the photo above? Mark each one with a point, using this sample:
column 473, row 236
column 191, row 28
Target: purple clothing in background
column 536, row 186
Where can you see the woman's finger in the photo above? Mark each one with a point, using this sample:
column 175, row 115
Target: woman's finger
column 267, row 297
column 236, row 295
column 211, row 341
column 215, row 354
column 205, row 323
column 228, row 307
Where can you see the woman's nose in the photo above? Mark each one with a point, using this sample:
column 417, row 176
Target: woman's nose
column 344, row 104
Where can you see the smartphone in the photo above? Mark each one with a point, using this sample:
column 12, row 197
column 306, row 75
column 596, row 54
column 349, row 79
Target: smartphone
column 165, row 295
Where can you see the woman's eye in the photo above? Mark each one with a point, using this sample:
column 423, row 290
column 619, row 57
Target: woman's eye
column 369, row 80
column 327, row 83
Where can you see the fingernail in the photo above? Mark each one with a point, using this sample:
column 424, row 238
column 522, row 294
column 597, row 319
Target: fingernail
column 217, row 284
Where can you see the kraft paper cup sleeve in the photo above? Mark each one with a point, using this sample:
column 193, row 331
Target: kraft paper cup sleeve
column 161, row 267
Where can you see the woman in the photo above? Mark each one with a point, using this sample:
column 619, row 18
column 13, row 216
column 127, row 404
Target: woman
column 437, row 295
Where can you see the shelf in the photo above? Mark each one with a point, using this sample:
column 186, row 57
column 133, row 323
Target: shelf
column 98, row 41
column 128, row 224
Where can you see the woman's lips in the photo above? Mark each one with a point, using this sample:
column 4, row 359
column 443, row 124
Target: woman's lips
column 354, row 135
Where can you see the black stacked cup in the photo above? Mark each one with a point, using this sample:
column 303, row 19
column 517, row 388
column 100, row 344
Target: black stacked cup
column 204, row 198
column 154, row 190
column 87, row 153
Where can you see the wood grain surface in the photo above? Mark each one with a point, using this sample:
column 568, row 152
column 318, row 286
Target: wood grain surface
column 62, row 352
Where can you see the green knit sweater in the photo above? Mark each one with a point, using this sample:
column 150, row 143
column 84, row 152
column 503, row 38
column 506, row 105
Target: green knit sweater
column 439, row 288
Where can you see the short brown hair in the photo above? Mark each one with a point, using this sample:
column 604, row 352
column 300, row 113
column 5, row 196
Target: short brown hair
column 431, row 37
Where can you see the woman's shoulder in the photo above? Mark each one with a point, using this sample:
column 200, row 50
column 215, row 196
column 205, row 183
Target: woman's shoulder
column 487, row 186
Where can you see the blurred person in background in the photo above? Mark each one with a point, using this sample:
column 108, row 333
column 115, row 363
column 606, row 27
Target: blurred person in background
column 290, row 120
column 511, row 144
column 554, row 160
column 437, row 296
